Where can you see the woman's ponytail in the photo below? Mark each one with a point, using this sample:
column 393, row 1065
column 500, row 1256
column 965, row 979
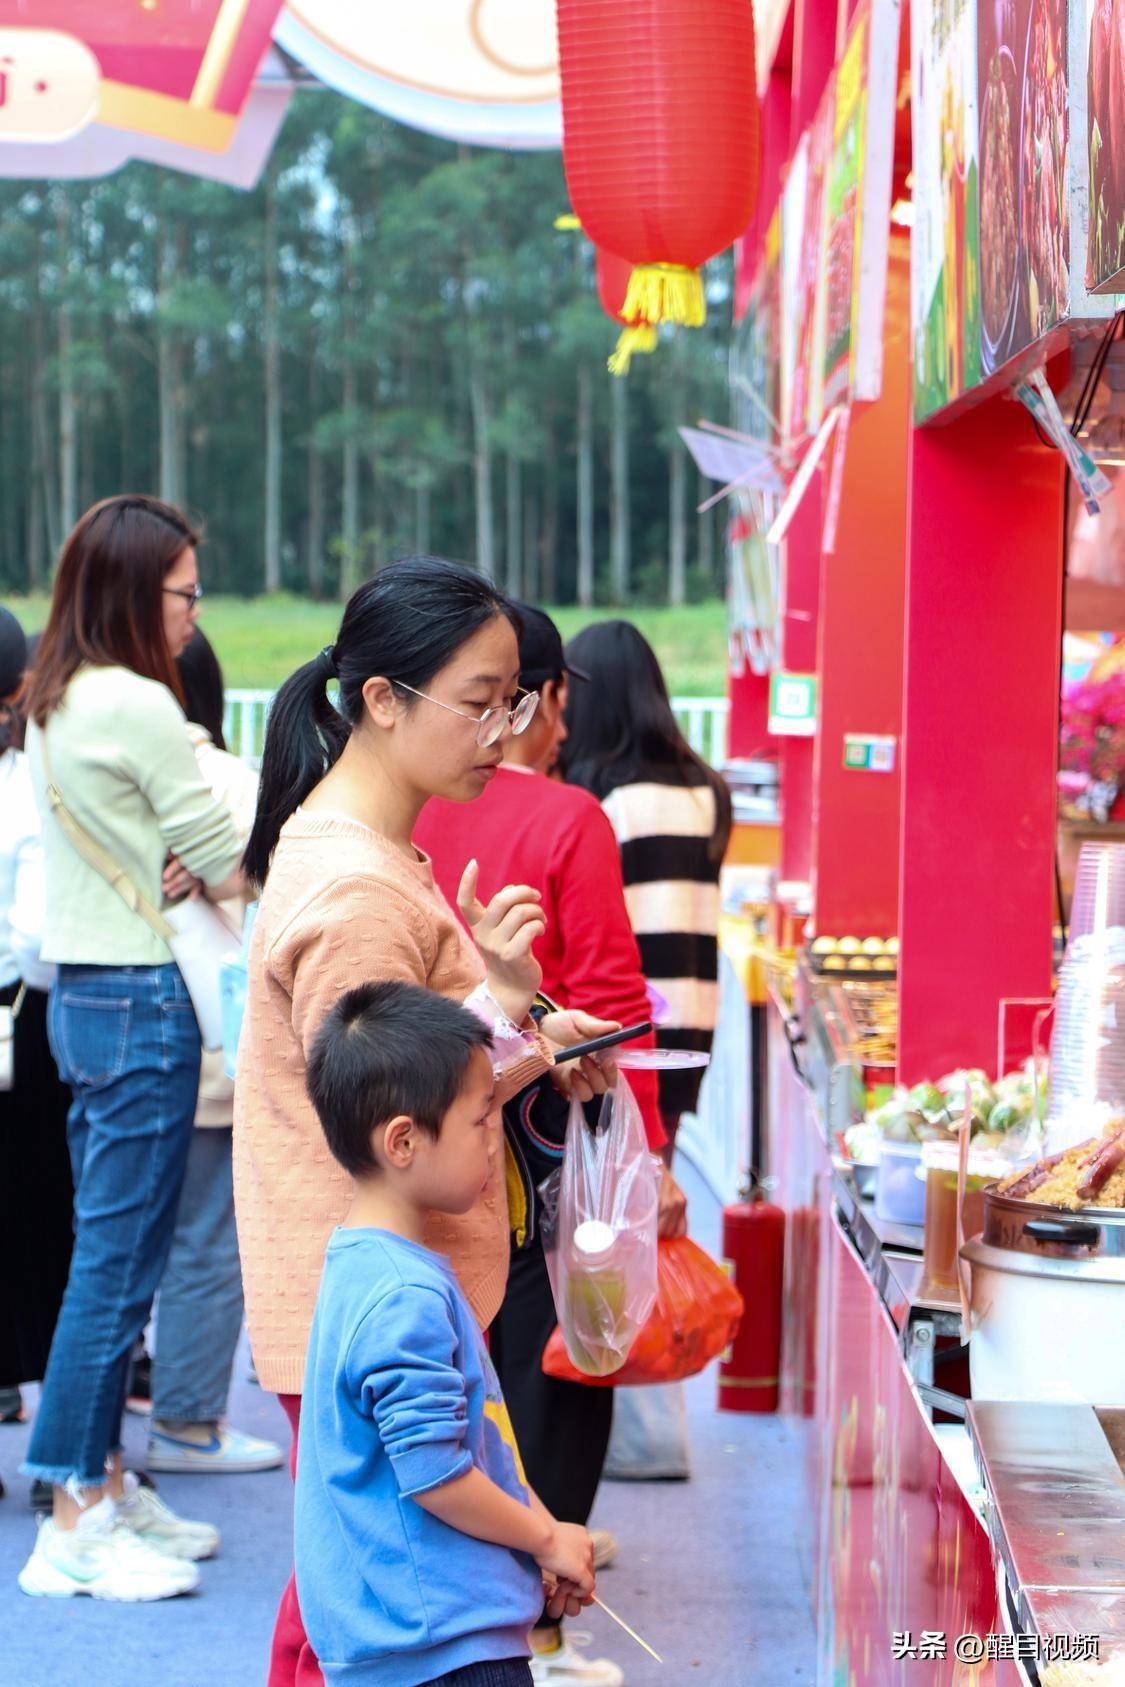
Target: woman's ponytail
column 305, row 735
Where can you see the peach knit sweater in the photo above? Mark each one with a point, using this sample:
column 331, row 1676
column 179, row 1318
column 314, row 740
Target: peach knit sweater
column 341, row 906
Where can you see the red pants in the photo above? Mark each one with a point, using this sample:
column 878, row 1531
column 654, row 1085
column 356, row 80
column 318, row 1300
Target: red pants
column 292, row 1660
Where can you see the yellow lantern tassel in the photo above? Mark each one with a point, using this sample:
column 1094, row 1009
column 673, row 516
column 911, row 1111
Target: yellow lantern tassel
column 640, row 338
column 665, row 293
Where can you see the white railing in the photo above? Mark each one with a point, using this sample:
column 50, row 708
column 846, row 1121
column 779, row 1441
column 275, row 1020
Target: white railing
column 703, row 721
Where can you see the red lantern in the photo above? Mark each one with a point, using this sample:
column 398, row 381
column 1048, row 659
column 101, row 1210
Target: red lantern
column 660, row 138
column 613, row 276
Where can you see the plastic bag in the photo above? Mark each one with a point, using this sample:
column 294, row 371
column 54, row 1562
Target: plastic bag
column 649, row 1439
column 696, row 1315
column 233, row 979
column 598, row 1227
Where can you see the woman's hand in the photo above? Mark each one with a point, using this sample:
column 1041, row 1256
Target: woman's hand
column 504, row 933
column 178, row 882
column 671, row 1213
column 594, row 1073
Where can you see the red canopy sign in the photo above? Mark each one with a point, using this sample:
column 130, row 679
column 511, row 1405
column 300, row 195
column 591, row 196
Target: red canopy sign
column 177, row 69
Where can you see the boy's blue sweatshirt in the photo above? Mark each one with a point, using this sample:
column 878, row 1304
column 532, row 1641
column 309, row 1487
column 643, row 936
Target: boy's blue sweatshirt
column 400, row 1397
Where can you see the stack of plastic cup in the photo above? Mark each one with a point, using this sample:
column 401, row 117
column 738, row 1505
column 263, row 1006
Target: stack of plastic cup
column 1087, row 1075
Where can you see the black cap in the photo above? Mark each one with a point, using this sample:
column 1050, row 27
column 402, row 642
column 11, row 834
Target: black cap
column 13, row 653
column 541, row 650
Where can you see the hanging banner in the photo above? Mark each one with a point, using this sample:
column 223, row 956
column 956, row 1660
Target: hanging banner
column 810, row 298
column 945, row 253
column 481, row 71
column 736, row 462
column 793, row 201
column 756, row 356
column 859, row 203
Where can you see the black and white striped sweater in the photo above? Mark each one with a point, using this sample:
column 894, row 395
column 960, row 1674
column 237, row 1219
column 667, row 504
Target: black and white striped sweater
column 665, row 833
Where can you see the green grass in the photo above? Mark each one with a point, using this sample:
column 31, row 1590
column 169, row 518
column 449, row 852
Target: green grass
column 261, row 640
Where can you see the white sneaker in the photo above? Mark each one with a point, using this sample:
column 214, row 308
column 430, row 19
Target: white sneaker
column 226, row 1451
column 156, row 1524
column 102, row 1558
column 568, row 1668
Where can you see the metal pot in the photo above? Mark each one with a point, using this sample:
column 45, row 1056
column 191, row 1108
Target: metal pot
column 1048, row 1303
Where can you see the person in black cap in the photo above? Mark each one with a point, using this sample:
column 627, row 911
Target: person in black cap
column 13, row 654
column 544, row 668
column 36, row 1192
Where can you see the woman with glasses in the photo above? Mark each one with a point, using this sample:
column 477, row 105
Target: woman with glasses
column 427, row 664
column 126, row 815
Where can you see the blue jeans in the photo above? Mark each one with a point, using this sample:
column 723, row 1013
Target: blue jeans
column 509, row 1672
column 199, row 1310
column 126, row 1041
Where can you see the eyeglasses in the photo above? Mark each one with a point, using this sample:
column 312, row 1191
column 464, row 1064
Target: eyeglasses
column 190, row 594
column 491, row 724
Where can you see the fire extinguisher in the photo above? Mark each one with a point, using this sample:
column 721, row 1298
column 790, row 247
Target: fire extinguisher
column 754, row 1254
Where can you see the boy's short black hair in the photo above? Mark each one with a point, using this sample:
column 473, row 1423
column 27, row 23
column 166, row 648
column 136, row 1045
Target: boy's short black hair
column 386, row 1049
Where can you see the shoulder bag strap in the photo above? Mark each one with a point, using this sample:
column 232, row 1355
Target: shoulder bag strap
column 98, row 858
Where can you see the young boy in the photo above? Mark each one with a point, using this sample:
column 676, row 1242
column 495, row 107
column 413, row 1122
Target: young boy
column 421, row 1554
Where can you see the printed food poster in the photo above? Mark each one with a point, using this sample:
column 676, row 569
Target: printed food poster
column 1004, row 315
column 762, row 367
column 946, row 306
column 812, row 281
column 793, row 200
column 1044, row 196
column 1105, row 141
column 1024, row 202
column 844, row 198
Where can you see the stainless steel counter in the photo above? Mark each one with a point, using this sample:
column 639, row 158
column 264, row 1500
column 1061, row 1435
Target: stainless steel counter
column 1056, row 1514
column 1054, row 1476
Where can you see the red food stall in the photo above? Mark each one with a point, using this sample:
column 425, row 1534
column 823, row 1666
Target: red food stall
column 919, row 271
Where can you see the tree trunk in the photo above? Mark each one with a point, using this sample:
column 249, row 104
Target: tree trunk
column 88, row 430
column 68, row 408
column 482, row 468
column 422, row 520
column 585, row 487
column 349, row 561
column 549, row 568
column 707, row 535
column 677, row 524
column 620, row 538
column 531, row 543
column 271, row 346
column 514, row 547
column 170, row 368
column 677, row 484
column 44, row 503
column 13, row 466
column 36, row 536
column 314, row 470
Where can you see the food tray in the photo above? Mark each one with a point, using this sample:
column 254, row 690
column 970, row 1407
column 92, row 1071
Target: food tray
column 849, row 974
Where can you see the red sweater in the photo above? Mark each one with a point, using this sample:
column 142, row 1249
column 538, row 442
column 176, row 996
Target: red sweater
column 528, row 829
